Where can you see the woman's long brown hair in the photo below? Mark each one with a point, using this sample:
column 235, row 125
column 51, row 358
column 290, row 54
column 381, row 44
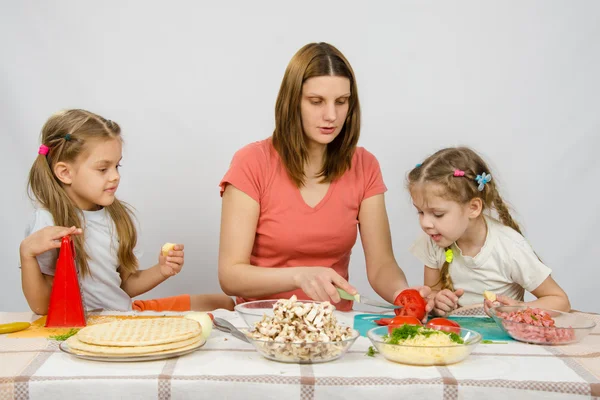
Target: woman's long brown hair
column 315, row 59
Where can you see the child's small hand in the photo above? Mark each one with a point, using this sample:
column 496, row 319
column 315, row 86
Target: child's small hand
column 45, row 239
column 446, row 301
column 171, row 264
column 500, row 301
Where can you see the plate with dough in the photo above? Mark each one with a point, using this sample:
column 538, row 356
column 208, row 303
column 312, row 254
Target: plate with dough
column 141, row 340
column 159, row 355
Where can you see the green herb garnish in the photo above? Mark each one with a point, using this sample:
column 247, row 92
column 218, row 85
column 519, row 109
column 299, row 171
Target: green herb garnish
column 65, row 336
column 410, row 331
column 371, row 352
column 534, row 318
column 454, row 337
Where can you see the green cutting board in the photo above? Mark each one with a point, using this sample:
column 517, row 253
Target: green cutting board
column 483, row 325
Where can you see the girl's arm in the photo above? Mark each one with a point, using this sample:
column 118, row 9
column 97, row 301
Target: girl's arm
column 239, row 217
column 144, row 280
column 432, row 279
column 383, row 272
column 444, row 300
column 36, row 285
column 550, row 295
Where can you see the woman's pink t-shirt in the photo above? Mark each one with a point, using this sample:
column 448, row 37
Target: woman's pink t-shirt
column 289, row 232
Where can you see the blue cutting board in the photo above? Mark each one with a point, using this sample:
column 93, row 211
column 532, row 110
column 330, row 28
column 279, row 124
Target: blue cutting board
column 484, row 325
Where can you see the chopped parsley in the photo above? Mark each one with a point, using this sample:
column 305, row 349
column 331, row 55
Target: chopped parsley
column 65, row 336
column 371, row 352
column 410, row 331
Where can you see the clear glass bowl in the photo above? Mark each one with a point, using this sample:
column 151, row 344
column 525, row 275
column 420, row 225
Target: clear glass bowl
column 303, row 353
column 424, row 355
column 253, row 311
column 569, row 328
column 298, row 353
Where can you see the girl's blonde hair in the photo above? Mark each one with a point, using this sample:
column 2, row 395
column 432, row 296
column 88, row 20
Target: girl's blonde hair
column 67, row 134
column 314, row 59
column 440, row 168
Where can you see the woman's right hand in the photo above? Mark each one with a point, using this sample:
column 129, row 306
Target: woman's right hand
column 45, row 239
column 319, row 283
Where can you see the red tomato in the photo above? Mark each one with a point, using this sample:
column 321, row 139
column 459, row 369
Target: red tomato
column 412, row 303
column 212, row 318
column 383, row 321
column 400, row 320
column 444, row 324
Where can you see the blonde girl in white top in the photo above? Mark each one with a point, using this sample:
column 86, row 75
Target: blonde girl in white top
column 465, row 250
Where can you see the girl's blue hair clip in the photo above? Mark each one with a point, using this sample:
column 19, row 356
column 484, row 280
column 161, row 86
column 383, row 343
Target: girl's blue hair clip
column 482, row 180
column 418, row 165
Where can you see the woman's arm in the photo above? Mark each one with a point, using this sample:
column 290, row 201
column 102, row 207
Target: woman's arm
column 239, row 217
column 383, row 272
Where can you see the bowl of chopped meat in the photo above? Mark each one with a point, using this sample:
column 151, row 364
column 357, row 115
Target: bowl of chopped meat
column 541, row 326
column 296, row 331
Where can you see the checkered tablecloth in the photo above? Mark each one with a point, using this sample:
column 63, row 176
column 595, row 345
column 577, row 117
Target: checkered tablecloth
column 227, row 368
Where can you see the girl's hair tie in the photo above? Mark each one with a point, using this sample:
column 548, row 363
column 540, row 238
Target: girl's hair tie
column 68, row 137
column 43, row 150
column 459, row 172
column 482, row 180
column 449, row 256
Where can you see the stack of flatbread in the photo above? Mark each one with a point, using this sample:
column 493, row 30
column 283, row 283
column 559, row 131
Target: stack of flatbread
column 131, row 338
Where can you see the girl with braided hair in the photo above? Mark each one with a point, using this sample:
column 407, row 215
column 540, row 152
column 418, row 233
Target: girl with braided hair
column 466, row 250
column 73, row 182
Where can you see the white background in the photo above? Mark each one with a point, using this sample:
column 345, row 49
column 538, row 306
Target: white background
column 191, row 82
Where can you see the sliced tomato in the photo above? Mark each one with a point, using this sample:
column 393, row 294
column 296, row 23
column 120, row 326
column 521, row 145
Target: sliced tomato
column 412, row 303
column 400, row 320
column 383, row 321
column 444, row 324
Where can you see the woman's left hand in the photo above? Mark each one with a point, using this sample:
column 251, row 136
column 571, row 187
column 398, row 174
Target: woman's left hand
column 171, row 264
column 425, row 292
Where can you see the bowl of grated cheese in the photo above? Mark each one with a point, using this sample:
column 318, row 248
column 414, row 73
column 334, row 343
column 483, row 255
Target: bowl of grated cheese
column 417, row 345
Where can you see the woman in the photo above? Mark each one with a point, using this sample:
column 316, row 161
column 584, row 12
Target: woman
column 292, row 202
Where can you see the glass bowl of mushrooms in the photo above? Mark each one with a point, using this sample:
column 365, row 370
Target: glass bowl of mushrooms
column 296, row 331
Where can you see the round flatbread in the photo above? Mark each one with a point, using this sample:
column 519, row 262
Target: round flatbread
column 75, row 344
column 142, row 332
column 194, row 345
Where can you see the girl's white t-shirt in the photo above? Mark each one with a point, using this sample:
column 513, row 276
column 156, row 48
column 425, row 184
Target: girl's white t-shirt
column 102, row 288
column 506, row 264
